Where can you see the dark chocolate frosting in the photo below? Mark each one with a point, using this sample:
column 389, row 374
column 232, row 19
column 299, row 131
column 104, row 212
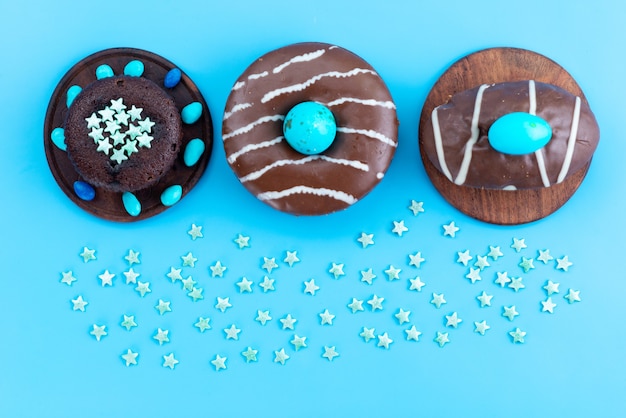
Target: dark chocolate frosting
column 277, row 174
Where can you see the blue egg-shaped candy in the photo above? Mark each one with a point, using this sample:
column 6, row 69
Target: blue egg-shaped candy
column 134, row 68
column 172, row 78
column 310, row 128
column 193, row 152
column 104, row 71
column 171, row 195
column 131, row 204
column 191, row 113
column 72, row 92
column 57, row 136
column 84, row 191
column 519, row 133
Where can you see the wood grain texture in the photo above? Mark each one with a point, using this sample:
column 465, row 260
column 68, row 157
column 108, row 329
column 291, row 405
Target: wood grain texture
column 498, row 65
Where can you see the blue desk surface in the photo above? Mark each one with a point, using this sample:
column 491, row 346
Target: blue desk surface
column 571, row 363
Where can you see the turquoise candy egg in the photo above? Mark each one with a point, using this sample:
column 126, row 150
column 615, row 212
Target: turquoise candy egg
column 171, row 195
column 72, row 92
column 193, row 152
column 519, row 133
column 57, row 136
column 131, row 204
column 191, row 113
column 134, row 68
column 84, row 190
column 104, row 71
column 172, row 78
column 310, row 128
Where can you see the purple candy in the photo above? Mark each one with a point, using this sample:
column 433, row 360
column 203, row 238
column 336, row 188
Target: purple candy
column 172, row 78
column 84, row 190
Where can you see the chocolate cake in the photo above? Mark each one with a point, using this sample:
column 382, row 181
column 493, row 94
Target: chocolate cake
column 277, row 174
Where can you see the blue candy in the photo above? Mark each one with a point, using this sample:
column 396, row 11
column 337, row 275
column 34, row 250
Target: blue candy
column 104, row 71
column 310, row 128
column 84, row 190
column 134, row 68
column 519, row 133
column 131, row 204
column 172, row 78
column 193, row 152
column 171, row 195
column 191, row 113
column 72, row 92
column 57, row 136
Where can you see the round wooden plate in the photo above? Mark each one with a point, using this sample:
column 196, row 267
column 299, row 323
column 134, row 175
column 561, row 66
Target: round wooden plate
column 498, row 65
column 107, row 204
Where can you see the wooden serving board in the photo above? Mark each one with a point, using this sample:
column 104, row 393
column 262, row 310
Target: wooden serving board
column 498, row 65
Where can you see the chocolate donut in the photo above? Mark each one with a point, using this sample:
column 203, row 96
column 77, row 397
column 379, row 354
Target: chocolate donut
column 270, row 168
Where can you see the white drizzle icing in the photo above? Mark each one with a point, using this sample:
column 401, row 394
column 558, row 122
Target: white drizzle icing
column 301, row 86
column 379, row 176
column 439, row 144
column 366, row 102
column 252, row 147
column 469, row 146
column 509, row 187
column 369, row 133
column 571, row 142
column 239, row 85
column 335, row 194
column 257, row 76
column 280, row 163
column 532, row 109
column 251, row 125
column 299, row 58
column 237, row 108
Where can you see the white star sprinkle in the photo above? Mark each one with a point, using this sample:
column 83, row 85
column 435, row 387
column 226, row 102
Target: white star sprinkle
column 326, row 318
column 220, row 362
column 93, row 121
column 393, row 273
column 367, row 276
column 366, row 239
column 481, row 327
column 518, row 336
column 288, row 322
column 367, row 334
column 438, row 300
column 402, row 316
column 384, row 341
column 516, row 284
column 464, row 257
column 106, row 278
column 195, row 232
column 563, row 263
column 242, row 241
column 356, row 305
column 132, row 257
column 98, row 331
column 416, row 284
column 416, row 260
column 68, row 278
column 484, row 299
column 573, row 296
column 267, row 284
column 399, row 228
column 330, row 353
column 262, row 317
column 544, row 256
column 245, row 285
column 202, row 324
column 163, row 307
column 170, row 361
column 548, row 305
column 551, row 287
column 88, row 254
column 481, row 262
column 189, row 260
column 291, row 258
column 453, row 320
column 298, row 342
column 450, row 230
column 376, row 303
column 416, row 207
column 442, row 338
column 502, row 279
column 336, row 270
column 269, row 264
column 162, row 336
column 280, row 356
column 473, row 275
column 518, row 244
column 130, row 357
column 509, row 312
column 232, row 333
column 217, row 270
column 310, row 287
column 143, row 288
column 494, row 253
column 135, row 113
column 412, row 334
column 223, row 304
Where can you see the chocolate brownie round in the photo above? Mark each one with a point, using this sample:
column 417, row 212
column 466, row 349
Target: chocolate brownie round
column 340, row 175
column 123, row 133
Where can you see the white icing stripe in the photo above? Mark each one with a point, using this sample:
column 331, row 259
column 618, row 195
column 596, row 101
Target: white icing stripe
column 369, row 133
column 236, row 109
column 532, row 98
column 469, row 146
column 509, row 187
column 300, row 58
column 439, row 144
column 335, row 194
column 257, row 76
column 366, row 102
column 239, row 85
column 301, row 86
column 532, row 109
column 280, row 163
column 249, row 126
column 252, row 147
column 571, row 142
column 542, row 168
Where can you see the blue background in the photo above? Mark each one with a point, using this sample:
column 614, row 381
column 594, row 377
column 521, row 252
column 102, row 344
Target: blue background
column 572, row 363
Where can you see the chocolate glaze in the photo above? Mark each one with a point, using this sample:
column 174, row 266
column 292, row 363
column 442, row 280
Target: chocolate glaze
column 356, row 161
column 489, row 168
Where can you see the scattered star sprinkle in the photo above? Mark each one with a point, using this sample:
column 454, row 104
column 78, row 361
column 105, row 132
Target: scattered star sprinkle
column 481, row 327
column 79, row 304
column 267, row 284
column 416, row 259
column 484, row 299
column 280, row 356
column 481, row 262
column 326, row 318
column 464, row 257
column 132, row 257
column 131, row 276
column 516, row 284
column 298, row 342
column 162, row 336
column 376, row 303
column 170, row 361
column 310, row 287
column 438, row 300
column 68, row 278
column 450, row 230
column 573, row 296
column 526, row 264
column 288, row 322
column 494, row 253
column 442, row 338
column 336, row 270
column 195, row 232
column 196, row 294
column 262, row 317
column 130, row 357
column 330, row 353
column 551, row 287
column 412, row 334
column 393, row 273
column 232, row 333
column 402, row 316
column 143, row 288
column 544, row 256
column 548, row 305
column 99, row 331
column 366, row 239
column 367, row 334
column 106, row 278
column 174, row 274
column 203, row 324
column 416, row 207
column 563, row 263
column 509, row 312
column 356, row 305
column 245, row 285
column 188, row 283
column 189, row 260
column 473, row 275
column 217, row 270
column 399, row 228
column 502, row 279
column 219, row 363
column 453, row 320
column 518, row 336
column 163, row 307
column 269, row 264
column 250, row 354
column 291, row 258
column 128, row 322
column 367, row 276
column 384, row 341
column 416, row 284
column 518, row 244
column 223, row 304
column 242, row 241
column 88, row 254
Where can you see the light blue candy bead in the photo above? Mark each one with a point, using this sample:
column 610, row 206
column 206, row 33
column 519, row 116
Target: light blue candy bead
column 104, row 71
column 310, row 128
column 72, row 92
column 57, row 136
column 171, row 195
column 84, row 190
column 172, row 78
column 193, row 152
column 131, row 204
column 134, row 68
column 519, row 133
column 191, row 113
